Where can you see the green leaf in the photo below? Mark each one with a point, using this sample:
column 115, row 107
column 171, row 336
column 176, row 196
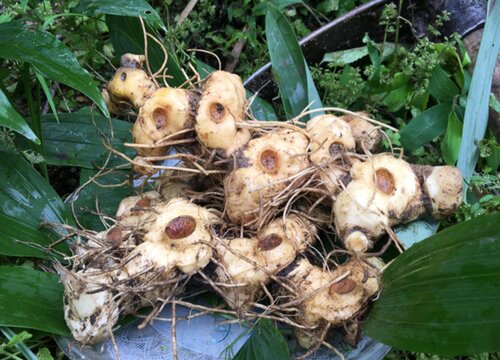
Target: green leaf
column 493, row 161
column 401, row 91
column 122, row 8
column 441, row 87
column 426, row 126
column 27, row 200
column 31, row 299
column 374, row 54
column 476, row 112
column 344, row 57
column 494, row 103
column 44, row 354
column 11, row 119
column 450, row 146
column 265, row 342
column 127, row 37
column 441, row 295
column 107, row 198
column 17, row 340
column 77, row 139
column 49, row 57
column 292, row 74
column 261, row 109
column 47, row 93
column 327, row 6
column 260, row 9
column 349, row 56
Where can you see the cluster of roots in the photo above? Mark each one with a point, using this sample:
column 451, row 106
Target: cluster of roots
column 278, row 218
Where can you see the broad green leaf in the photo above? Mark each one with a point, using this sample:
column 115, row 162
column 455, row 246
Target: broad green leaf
column 261, row 109
column 345, row 57
column 476, row 112
column 31, row 299
column 450, row 146
column 426, row 126
column 107, row 198
column 77, row 140
column 401, row 91
column 441, row 87
column 122, row 8
column 11, row 119
column 289, row 66
column 265, row 342
column 49, row 57
column 27, row 200
column 441, row 295
column 127, row 37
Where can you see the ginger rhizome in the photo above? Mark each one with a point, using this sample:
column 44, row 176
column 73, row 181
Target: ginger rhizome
column 167, row 112
column 386, row 191
column 263, row 169
column 156, row 242
column 250, row 263
column 221, row 105
column 331, row 141
column 130, row 85
column 330, row 297
column 249, row 214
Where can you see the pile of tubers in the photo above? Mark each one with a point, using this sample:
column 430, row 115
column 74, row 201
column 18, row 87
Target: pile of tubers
column 248, row 211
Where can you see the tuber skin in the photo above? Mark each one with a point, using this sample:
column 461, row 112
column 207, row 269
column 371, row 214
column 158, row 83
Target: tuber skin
column 113, row 107
column 366, row 135
column 136, row 210
column 93, row 301
column 261, row 169
column 221, row 105
column 178, row 236
column 331, row 137
column 272, row 249
column 132, row 86
column 89, row 316
column 328, row 301
column 385, row 191
column 132, row 61
column 165, row 113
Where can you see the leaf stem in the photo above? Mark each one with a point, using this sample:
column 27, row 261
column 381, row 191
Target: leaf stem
column 34, row 110
column 398, row 23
